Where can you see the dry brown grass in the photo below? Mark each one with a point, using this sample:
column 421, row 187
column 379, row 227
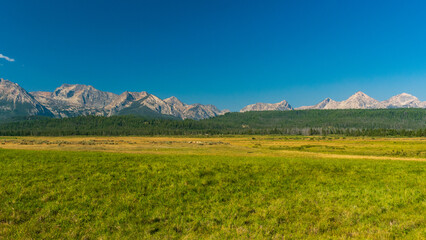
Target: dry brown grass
column 311, row 147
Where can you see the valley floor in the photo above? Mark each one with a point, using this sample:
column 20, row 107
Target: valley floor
column 290, row 187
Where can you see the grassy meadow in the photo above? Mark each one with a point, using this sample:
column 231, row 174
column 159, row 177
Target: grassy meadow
column 235, row 187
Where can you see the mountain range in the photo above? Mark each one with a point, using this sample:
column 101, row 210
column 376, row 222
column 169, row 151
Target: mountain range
column 15, row 102
column 70, row 100
column 281, row 106
column 359, row 100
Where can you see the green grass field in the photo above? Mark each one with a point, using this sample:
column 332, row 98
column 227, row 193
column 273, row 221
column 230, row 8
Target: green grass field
column 63, row 194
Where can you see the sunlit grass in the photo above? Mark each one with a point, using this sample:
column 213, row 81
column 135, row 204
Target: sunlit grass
column 187, row 188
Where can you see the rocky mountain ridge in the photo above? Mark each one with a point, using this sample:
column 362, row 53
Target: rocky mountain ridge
column 16, row 101
column 280, row 106
column 404, row 100
column 70, row 100
column 361, row 100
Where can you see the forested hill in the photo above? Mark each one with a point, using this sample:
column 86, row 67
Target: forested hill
column 406, row 122
column 342, row 118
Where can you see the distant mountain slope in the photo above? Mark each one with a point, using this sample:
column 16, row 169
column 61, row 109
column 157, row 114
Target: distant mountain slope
column 170, row 107
column 327, row 103
column 361, row 100
column 404, row 100
column 193, row 111
column 70, row 100
column 124, row 100
column 177, row 107
column 16, row 102
column 199, row 111
column 154, row 103
column 136, row 109
column 281, row 106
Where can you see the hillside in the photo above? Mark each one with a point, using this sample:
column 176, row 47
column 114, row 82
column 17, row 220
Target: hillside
column 338, row 118
column 408, row 122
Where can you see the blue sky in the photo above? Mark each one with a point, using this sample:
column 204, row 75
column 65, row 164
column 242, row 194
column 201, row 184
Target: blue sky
column 222, row 52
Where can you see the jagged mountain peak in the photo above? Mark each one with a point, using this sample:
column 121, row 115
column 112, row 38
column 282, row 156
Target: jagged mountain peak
column 135, row 95
column 16, row 101
column 5, row 81
column 327, row 103
column 11, row 91
column 80, row 99
column 75, row 85
column 280, row 106
column 69, row 90
column 359, row 94
column 124, row 100
column 65, row 88
column 404, row 100
column 360, row 100
column 76, row 99
column 404, row 97
column 283, row 102
column 70, row 100
column 200, row 111
column 404, row 94
column 174, row 101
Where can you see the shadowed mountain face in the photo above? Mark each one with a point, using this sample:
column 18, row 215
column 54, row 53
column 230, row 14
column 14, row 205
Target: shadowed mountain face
column 70, row 100
column 16, row 102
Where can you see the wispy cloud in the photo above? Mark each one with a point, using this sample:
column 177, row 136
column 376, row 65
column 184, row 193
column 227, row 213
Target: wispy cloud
column 7, row 58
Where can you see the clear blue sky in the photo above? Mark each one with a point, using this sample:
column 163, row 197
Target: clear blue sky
column 225, row 52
